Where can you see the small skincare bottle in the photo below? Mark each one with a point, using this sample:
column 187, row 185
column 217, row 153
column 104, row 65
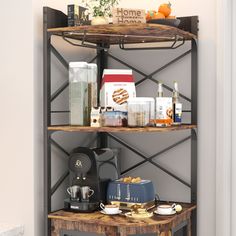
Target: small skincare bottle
column 163, row 108
column 177, row 106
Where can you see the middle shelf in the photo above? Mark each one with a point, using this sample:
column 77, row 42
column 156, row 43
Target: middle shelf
column 68, row 128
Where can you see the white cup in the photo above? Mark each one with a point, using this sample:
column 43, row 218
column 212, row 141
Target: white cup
column 165, row 209
column 110, row 209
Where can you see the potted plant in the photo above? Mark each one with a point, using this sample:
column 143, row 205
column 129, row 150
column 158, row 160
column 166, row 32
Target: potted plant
column 100, row 10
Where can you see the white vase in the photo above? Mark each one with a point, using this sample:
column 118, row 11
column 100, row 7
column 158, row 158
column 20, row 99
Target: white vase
column 99, row 20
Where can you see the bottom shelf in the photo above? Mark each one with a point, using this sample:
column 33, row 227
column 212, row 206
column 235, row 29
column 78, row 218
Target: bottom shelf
column 113, row 225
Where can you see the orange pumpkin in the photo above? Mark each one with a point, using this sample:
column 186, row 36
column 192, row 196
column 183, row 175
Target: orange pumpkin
column 150, row 15
column 165, row 9
column 158, row 15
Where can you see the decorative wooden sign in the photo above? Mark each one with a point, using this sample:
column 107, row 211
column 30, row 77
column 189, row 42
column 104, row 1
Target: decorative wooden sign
column 126, row 15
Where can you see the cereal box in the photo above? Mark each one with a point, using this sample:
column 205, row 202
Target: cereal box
column 117, row 87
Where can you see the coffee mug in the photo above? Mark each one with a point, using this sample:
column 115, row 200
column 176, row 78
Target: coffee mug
column 166, row 209
column 74, row 191
column 86, row 193
column 110, row 209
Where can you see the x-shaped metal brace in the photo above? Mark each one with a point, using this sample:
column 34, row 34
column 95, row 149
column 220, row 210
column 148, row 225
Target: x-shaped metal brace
column 150, row 159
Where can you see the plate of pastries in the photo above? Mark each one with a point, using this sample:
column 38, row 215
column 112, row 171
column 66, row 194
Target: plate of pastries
column 129, row 180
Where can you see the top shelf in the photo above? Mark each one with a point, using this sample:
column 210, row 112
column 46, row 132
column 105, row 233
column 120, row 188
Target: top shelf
column 113, row 34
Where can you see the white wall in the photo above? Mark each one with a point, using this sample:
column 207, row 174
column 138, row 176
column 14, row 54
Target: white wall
column 224, row 118
column 17, row 133
column 233, row 169
column 38, row 116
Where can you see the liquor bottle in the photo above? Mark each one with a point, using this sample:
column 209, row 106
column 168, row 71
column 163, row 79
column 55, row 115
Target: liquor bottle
column 160, row 90
column 163, row 108
column 177, row 106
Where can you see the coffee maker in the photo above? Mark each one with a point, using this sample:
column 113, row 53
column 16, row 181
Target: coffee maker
column 87, row 190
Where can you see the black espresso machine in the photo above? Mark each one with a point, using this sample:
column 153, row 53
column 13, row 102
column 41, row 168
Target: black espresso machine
column 88, row 181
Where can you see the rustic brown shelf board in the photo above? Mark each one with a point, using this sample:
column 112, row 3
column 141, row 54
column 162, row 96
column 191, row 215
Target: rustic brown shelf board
column 127, row 33
column 119, row 129
column 119, row 220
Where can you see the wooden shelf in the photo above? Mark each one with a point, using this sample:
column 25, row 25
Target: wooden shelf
column 119, row 129
column 100, row 223
column 126, row 33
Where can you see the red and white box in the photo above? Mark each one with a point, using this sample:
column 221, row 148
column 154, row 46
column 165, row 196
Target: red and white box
column 117, row 87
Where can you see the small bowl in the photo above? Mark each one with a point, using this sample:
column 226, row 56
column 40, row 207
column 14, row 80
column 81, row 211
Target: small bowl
column 170, row 22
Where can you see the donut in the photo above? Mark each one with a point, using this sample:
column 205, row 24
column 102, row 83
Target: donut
column 169, row 112
column 120, row 96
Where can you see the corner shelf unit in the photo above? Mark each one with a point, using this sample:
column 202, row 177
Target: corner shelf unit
column 128, row 37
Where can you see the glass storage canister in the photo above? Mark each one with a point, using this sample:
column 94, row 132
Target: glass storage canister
column 92, row 87
column 78, row 93
column 114, row 118
column 141, row 110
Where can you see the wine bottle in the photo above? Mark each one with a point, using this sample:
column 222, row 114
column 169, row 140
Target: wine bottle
column 160, row 90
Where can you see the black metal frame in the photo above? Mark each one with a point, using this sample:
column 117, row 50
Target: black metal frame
column 53, row 18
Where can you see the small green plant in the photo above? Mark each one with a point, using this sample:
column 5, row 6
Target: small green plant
column 100, row 7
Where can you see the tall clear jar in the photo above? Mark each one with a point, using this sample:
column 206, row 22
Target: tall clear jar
column 92, row 87
column 78, row 93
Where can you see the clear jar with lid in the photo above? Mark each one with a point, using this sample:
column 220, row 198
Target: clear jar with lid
column 78, row 93
column 92, row 86
column 141, row 110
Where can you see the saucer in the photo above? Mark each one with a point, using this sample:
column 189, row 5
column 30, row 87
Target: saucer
column 139, row 216
column 118, row 212
column 169, row 214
